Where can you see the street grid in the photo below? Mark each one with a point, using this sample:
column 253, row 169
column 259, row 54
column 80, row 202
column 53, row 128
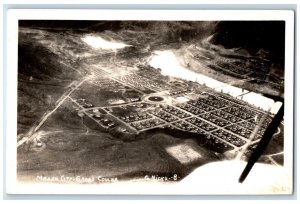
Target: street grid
column 217, row 116
column 223, row 120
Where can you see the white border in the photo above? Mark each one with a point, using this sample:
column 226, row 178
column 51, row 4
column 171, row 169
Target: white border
column 205, row 15
column 115, row 14
column 157, row 2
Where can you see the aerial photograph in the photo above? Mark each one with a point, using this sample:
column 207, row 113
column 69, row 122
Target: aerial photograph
column 109, row 101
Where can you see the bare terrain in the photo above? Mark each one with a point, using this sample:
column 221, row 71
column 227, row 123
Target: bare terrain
column 91, row 111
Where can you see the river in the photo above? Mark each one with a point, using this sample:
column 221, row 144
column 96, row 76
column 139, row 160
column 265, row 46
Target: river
column 168, row 63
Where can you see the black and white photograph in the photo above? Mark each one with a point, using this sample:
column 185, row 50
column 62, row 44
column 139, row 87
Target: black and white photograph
column 191, row 104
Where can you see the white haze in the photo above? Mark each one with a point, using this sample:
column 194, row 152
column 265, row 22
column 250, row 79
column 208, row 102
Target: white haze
column 98, row 42
column 222, row 177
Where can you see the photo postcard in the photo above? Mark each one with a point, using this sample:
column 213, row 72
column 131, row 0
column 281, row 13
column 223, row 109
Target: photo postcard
column 149, row 102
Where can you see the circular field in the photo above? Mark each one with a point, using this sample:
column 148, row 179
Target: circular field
column 155, row 98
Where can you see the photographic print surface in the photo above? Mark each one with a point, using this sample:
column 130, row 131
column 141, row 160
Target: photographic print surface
column 112, row 101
